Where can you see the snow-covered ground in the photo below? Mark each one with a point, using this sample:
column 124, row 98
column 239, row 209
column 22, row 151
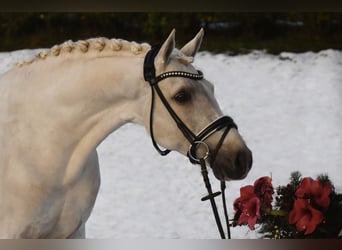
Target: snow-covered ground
column 287, row 107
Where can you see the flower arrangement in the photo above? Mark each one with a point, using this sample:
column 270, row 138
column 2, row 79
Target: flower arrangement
column 304, row 208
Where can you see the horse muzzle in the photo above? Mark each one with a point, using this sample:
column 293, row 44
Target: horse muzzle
column 232, row 165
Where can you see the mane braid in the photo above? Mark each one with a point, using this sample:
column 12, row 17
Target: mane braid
column 99, row 44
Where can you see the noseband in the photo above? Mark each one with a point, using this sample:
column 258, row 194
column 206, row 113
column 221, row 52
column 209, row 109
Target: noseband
column 196, row 140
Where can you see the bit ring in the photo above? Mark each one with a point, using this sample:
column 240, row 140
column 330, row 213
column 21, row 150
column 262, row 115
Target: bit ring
column 195, row 157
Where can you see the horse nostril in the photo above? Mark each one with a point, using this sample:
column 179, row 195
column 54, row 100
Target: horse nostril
column 243, row 161
column 240, row 160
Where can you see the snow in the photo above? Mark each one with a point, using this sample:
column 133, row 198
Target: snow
column 288, row 109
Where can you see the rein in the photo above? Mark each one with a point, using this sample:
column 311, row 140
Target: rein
column 195, row 140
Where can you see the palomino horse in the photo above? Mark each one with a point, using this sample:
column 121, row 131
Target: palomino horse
column 56, row 109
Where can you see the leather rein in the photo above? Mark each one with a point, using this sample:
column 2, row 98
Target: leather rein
column 195, row 140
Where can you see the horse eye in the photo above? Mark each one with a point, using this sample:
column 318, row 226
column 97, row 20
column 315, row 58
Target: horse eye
column 182, row 96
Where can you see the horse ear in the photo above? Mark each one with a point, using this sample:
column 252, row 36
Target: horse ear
column 166, row 49
column 191, row 48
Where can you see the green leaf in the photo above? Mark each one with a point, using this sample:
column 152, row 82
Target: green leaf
column 278, row 213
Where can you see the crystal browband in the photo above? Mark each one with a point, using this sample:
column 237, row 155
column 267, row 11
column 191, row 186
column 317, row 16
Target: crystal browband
column 162, row 76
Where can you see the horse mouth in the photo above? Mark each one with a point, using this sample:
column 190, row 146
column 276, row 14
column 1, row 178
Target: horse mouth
column 224, row 168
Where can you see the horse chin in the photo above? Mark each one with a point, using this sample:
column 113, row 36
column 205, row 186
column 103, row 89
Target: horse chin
column 224, row 174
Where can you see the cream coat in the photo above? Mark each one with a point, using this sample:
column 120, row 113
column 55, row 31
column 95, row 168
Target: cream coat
column 55, row 111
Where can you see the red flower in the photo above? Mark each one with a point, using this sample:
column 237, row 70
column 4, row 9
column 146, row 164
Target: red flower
column 250, row 213
column 253, row 199
column 247, row 207
column 263, row 189
column 246, row 193
column 315, row 191
column 305, row 216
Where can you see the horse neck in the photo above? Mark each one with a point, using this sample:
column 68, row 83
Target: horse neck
column 115, row 92
column 105, row 91
column 80, row 102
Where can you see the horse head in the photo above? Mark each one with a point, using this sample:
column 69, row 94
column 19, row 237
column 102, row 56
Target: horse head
column 185, row 115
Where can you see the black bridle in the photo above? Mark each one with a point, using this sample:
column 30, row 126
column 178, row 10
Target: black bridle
column 195, row 140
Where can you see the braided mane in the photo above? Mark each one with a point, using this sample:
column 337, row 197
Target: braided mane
column 103, row 46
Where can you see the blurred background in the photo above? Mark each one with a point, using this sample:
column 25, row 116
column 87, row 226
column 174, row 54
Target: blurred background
column 231, row 32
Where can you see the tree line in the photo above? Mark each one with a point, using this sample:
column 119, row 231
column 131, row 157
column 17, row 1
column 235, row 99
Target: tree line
column 233, row 32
